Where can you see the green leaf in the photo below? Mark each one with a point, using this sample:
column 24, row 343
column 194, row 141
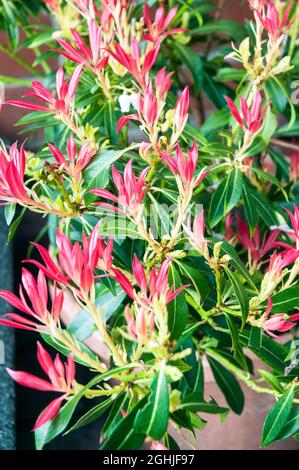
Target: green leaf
column 40, row 39
column 82, row 325
column 114, row 413
column 215, row 121
column 269, row 177
column 288, row 131
column 287, row 95
column 161, row 218
column 241, row 295
column 15, row 81
column 256, row 337
column 229, row 386
column 236, row 262
column 215, row 91
column 62, row 349
column 119, row 226
column 277, row 417
column 234, row 332
column 9, row 213
column 15, row 225
column 263, row 208
column 271, row 379
column 227, row 74
column 92, row 415
column 225, row 197
column 51, row 429
column 192, row 403
column 110, row 122
column 96, row 175
column 286, row 300
column 198, row 280
column 270, row 352
column 291, row 427
column 152, row 420
column 193, row 62
column 250, row 208
column 10, row 24
column 178, row 308
column 199, row 381
column 227, row 27
column 124, row 435
column 278, row 98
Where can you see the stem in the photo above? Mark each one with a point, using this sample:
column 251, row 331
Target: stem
column 218, row 286
column 104, row 333
column 77, row 352
column 281, row 143
column 152, row 172
column 62, row 189
column 99, row 393
column 249, row 382
column 20, row 61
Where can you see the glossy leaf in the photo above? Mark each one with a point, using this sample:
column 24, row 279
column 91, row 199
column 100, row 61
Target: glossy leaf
column 152, row 420
column 277, row 417
column 229, row 386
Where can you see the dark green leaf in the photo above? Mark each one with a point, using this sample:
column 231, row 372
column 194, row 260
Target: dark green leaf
column 178, row 308
column 229, row 386
column 225, row 197
column 291, row 427
column 233, row 331
column 256, row 337
column 193, row 62
column 230, row 28
column 286, row 300
column 92, row 415
column 192, row 403
column 236, row 262
column 250, row 208
column 110, row 122
column 240, row 294
column 152, row 420
column 271, row 353
column 277, row 417
column 124, row 435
